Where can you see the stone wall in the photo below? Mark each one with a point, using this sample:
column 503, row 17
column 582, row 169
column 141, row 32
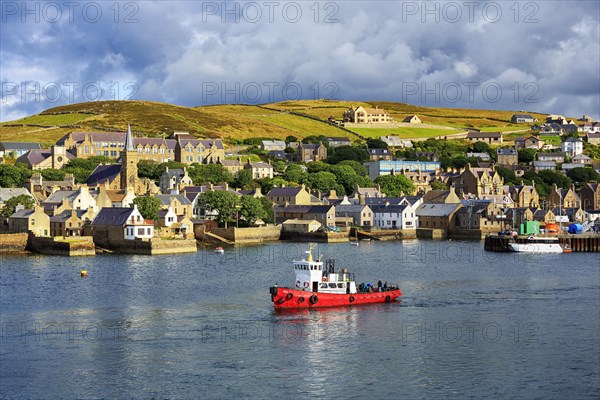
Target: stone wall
column 74, row 246
column 154, row 246
column 13, row 243
column 427, row 233
column 249, row 235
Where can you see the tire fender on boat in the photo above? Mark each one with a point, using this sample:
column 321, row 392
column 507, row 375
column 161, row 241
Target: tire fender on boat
column 388, row 299
column 314, row 299
column 351, row 299
column 301, row 300
column 290, row 295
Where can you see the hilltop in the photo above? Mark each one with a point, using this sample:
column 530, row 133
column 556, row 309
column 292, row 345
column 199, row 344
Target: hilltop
column 277, row 120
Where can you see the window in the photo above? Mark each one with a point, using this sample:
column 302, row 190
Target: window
column 155, row 150
column 149, row 231
column 113, row 153
column 147, row 150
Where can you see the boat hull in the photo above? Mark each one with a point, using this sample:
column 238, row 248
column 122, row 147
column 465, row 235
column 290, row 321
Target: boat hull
column 536, row 247
column 293, row 299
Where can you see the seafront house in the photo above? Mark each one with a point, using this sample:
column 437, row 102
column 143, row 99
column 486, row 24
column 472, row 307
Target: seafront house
column 30, row 220
column 112, row 226
column 437, row 216
column 361, row 214
column 477, row 182
column 589, row 195
column 479, row 214
column 70, row 222
column 386, row 216
column 565, row 198
column 325, row 214
column 179, row 203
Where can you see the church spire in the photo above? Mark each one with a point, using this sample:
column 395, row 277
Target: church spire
column 129, row 139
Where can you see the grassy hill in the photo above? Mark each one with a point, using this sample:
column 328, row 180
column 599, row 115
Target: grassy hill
column 277, row 120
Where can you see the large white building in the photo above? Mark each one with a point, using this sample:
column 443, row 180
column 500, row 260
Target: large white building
column 572, row 146
column 388, row 216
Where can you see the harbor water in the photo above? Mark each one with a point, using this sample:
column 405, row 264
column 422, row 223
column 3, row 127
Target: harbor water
column 471, row 324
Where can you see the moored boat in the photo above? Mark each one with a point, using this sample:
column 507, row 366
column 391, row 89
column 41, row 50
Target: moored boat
column 538, row 244
column 219, row 250
column 320, row 284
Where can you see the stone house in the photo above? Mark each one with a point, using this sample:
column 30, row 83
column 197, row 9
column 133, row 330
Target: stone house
column 523, row 195
column 379, row 154
column 38, row 159
column 259, row 169
column 565, row 198
column 363, row 115
column 482, row 215
column 477, row 182
column 325, row 214
column 412, row 119
column 112, row 226
column 593, row 138
column 531, row 142
column 297, row 195
column 590, row 196
column 300, row 226
column 233, row 166
column 310, row 152
column 174, row 179
column 338, row 141
column 70, row 222
column 269, row 145
column 508, row 156
column 361, row 215
column 179, row 203
column 582, row 159
column 488, row 137
column 437, row 216
column 27, row 220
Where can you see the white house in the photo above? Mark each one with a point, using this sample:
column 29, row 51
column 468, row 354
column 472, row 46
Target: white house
column 572, row 146
column 394, row 216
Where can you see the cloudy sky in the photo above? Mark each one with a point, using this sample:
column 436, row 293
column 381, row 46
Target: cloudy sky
column 532, row 55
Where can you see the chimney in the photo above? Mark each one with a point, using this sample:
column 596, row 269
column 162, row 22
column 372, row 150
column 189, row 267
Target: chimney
column 258, row 191
column 361, row 199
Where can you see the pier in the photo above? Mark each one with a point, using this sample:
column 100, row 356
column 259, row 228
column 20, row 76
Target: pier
column 583, row 243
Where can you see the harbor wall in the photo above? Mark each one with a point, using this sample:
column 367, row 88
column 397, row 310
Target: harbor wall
column 249, row 235
column 59, row 246
column 431, row 233
column 155, row 246
column 13, row 243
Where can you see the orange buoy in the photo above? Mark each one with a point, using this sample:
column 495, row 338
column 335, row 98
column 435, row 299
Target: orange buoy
column 83, row 273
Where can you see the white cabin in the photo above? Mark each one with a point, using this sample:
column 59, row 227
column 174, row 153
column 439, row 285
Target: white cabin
column 312, row 276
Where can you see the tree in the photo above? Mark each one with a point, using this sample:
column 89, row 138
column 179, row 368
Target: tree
column 509, row 176
column 214, row 173
column 395, row 185
column 436, row 184
column 251, row 209
column 148, row 206
column 527, row 155
column 295, row 173
column 291, row 138
column 347, row 153
column 10, row 176
column 324, row 181
column 266, row 184
column 376, row 143
column 223, row 202
column 52, row 174
column 267, row 206
column 581, row 175
column 551, row 177
column 149, row 169
column 279, row 166
column 243, row 179
column 358, row 167
column 348, row 178
column 481, row 147
column 11, row 204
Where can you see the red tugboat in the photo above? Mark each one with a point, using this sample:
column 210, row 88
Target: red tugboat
column 320, row 285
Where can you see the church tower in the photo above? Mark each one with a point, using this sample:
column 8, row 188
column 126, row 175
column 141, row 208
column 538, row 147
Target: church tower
column 129, row 160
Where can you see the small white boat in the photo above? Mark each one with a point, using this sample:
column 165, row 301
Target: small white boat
column 219, row 250
column 354, row 244
column 536, row 244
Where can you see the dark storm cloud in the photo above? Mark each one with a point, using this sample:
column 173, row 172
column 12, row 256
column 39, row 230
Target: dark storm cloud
column 541, row 56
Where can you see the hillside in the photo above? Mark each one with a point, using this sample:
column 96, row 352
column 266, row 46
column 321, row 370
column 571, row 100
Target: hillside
column 278, row 120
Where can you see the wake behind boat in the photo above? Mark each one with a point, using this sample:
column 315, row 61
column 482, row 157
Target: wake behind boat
column 538, row 244
column 321, row 285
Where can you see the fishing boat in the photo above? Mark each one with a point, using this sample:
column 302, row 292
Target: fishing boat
column 538, row 244
column 219, row 250
column 320, row 284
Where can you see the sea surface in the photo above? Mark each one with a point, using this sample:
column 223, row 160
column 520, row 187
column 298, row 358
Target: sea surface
column 470, row 325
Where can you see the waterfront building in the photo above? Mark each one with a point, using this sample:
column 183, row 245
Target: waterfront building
column 30, row 220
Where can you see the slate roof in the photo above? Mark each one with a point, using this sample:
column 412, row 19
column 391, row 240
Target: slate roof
column 374, row 201
column 103, row 173
column 481, row 135
column 304, row 209
column 113, row 216
column 176, row 172
column 349, row 208
column 165, row 199
column 36, row 156
column 65, row 215
column 435, row 196
column 573, row 140
column 379, row 152
column 284, row 191
column 10, row 146
column 436, row 210
column 59, row 195
column 382, row 208
column 119, row 137
column 506, row 151
column 23, row 213
column 9, row 193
